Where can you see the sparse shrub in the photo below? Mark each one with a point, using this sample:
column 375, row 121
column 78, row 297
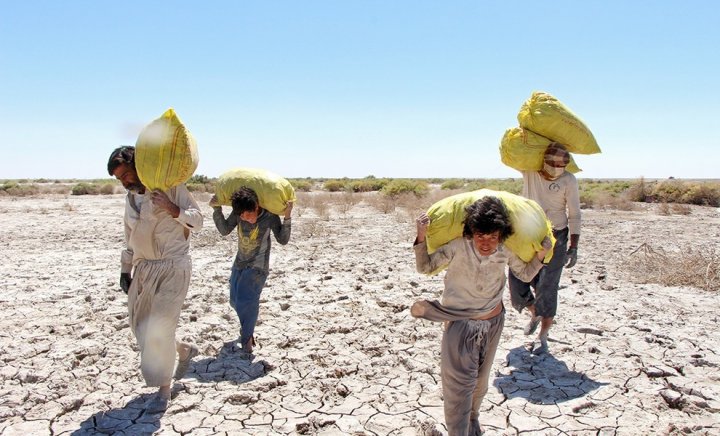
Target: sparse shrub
column 452, row 184
column 399, row 186
column 196, row 187
column 687, row 267
column 107, row 189
column 638, row 191
column 681, row 209
column 19, row 190
column 664, row 209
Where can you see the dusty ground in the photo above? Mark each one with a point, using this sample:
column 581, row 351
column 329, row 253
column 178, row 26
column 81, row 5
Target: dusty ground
column 338, row 351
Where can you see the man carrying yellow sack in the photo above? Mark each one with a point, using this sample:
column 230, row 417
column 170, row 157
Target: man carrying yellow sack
column 556, row 191
column 471, row 305
column 157, row 231
column 252, row 262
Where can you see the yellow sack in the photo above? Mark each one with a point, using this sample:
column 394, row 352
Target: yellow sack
column 528, row 220
column 165, row 153
column 547, row 116
column 524, row 150
column 273, row 191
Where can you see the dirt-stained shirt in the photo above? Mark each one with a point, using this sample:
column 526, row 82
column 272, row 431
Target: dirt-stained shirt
column 473, row 281
column 253, row 239
column 559, row 198
column 151, row 233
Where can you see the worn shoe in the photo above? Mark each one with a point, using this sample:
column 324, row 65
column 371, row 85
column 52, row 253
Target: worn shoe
column 184, row 364
column 532, row 325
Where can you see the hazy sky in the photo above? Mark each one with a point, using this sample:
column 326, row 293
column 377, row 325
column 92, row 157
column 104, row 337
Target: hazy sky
column 354, row 88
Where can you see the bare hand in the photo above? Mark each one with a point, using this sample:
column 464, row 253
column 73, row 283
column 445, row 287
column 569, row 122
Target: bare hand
column 547, row 245
column 422, row 222
column 161, row 200
column 288, row 209
column 214, row 201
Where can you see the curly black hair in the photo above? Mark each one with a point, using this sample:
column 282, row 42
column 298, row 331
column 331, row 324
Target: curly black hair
column 244, row 200
column 121, row 155
column 485, row 216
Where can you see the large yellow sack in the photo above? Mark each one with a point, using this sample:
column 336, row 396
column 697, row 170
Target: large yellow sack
column 165, row 153
column 547, row 116
column 529, row 223
column 273, row 191
column 524, row 150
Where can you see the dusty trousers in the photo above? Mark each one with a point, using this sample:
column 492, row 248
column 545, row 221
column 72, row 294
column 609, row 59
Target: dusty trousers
column 467, row 353
column 155, row 299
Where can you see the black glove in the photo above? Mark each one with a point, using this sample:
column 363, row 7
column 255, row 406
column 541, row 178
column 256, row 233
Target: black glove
column 125, row 281
column 571, row 257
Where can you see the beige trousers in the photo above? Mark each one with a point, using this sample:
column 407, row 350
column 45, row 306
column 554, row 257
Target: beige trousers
column 155, row 299
column 468, row 350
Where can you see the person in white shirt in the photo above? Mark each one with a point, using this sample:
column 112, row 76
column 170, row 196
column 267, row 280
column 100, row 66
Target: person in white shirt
column 471, row 305
column 157, row 232
column 556, row 191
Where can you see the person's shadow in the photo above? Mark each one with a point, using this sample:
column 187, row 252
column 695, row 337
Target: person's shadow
column 132, row 419
column 542, row 379
column 230, row 365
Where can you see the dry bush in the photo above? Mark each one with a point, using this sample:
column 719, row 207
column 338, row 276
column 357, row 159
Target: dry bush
column 674, row 208
column 320, row 203
column 606, row 200
column 311, row 228
column 681, row 209
column 381, row 203
column 687, row 267
column 347, row 201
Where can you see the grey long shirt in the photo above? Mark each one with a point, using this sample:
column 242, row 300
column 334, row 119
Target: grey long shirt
column 253, row 239
column 473, row 281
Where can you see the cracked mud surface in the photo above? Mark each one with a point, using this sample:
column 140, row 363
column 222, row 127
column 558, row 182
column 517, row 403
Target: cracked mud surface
column 338, row 352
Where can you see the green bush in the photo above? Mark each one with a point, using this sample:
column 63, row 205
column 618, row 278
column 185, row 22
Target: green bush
column 335, row 185
column 401, row 186
column 452, row 184
column 83, row 188
column 301, row 185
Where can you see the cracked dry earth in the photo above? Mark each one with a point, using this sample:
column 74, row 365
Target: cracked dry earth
column 338, row 352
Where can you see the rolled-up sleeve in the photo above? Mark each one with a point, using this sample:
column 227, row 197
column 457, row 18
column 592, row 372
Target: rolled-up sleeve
column 525, row 271
column 427, row 263
column 126, row 255
column 190, row 216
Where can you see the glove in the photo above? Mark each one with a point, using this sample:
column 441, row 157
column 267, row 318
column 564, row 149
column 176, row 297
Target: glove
column 125, row 281
column 571, row 257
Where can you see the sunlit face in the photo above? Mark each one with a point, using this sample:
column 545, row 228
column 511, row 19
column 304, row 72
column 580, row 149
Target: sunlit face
column 486, row 243
column 250, row 216
column 129, row 178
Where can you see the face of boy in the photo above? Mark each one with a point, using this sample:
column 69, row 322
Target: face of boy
column 250, row 216
column 486, row 243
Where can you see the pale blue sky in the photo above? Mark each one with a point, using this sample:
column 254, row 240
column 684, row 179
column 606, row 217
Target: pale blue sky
column 356, row 88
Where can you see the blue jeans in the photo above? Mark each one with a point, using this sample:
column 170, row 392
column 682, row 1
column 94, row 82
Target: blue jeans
column 245, row 288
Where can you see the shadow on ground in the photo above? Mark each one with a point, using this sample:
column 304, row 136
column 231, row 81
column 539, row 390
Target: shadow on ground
column 542, row 379
column 131, row 420
column 230, row 365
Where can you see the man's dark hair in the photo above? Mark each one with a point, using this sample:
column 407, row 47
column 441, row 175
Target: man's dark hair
column 486, row 216
column 121, row 155
column 244, row 200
